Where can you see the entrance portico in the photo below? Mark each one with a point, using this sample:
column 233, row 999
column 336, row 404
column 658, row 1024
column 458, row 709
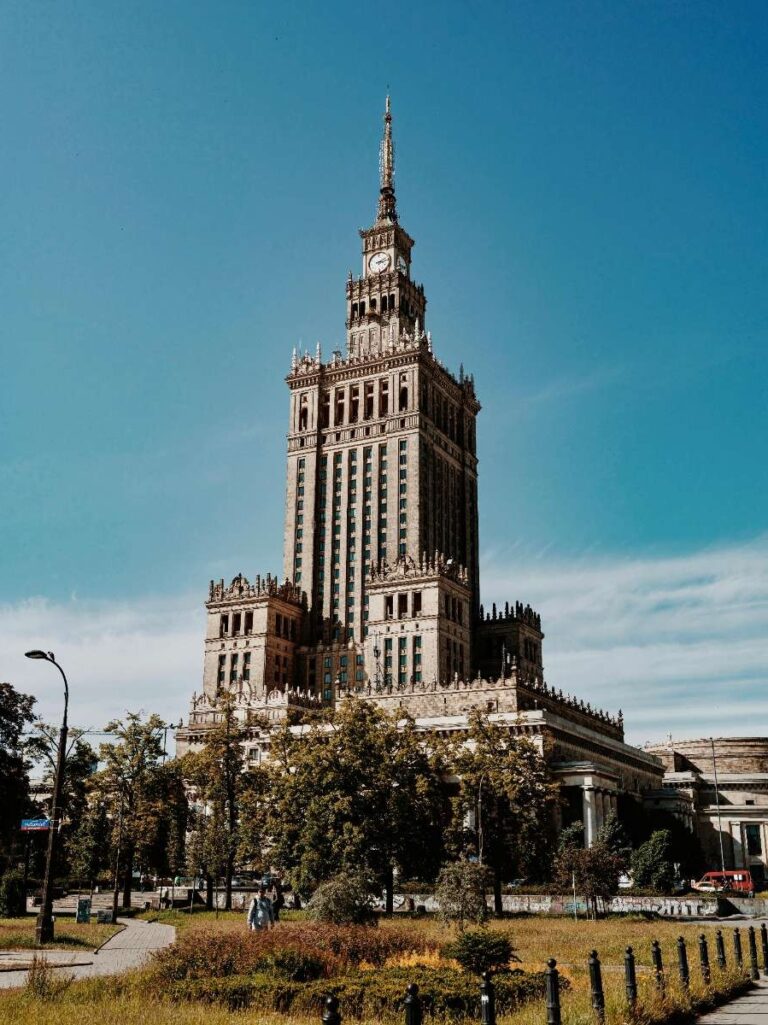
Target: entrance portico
column 599, row 793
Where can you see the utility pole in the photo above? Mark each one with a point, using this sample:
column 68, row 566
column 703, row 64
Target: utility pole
column 44, row 927
column 717, row 804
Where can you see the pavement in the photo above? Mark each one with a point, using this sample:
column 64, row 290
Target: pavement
column 750, row 1009
column 130, row 948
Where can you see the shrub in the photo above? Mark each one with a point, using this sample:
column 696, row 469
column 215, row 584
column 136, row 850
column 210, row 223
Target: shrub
column 444, row 992
column 480, row 951
column 296, row 950
column 297, row 965
column 344, row 899
column 13, row 897
column 460, row 892
column 652, row 863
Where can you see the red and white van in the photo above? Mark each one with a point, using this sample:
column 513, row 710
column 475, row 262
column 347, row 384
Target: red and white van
column 737, row 880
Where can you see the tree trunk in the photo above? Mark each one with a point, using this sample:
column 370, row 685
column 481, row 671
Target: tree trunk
column 229, row 870
column 128, row 879
column 496, row 849
column 498, row 905
column 389, row 891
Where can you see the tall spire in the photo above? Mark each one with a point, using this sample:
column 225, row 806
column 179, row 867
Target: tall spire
column 387, row 210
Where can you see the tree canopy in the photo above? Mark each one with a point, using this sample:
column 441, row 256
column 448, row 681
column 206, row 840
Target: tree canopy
column 357, row 791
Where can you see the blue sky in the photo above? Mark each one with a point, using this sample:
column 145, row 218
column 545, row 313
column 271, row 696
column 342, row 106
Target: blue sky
column 181, row 192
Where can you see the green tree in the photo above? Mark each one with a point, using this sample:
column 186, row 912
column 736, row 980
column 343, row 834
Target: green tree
column 128, row 786
column 15, row 715
column 614, row 837
column 80, row 763
column 593, row 871
column 652, row 864
column 504, row 780
column 89, row 844
column 218, row 781
column 358, row 791
column 460, row 892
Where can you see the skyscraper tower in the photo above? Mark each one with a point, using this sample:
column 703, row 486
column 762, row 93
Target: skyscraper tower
column 381, row 441
column 380, row 583
column 379, row 597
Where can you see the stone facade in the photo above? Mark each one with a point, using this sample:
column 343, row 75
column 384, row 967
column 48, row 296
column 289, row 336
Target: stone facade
column 380, row 596
column 733, row 810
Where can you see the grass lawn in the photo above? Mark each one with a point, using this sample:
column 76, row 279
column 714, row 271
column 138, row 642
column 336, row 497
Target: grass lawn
column 129, row 1001
column 19, row 934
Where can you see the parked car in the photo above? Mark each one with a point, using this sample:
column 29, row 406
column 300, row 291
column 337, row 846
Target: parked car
column 734, row 881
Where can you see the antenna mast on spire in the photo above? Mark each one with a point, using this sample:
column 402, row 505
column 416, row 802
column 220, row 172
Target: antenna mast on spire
column 387, row 211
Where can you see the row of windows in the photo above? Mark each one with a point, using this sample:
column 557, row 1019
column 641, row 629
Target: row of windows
column 349, row 405
column 387, row 303
column 234, row 667
column 406, row 670
column 454, row 658
column 242, row 623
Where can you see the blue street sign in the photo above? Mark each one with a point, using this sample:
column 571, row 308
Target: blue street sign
column 31, row 825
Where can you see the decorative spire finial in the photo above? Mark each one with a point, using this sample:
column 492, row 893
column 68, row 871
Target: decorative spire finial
column 387, row 211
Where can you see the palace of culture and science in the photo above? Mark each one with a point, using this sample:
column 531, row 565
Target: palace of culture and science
column 380, row 590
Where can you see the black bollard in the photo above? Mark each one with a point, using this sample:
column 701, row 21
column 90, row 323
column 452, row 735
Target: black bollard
column 487, row 1001
column 720, row 948
column 704, row 959
column 682, row 963
column 596, row 986
column 552, row 980
column 754, row 971
column 658, row 965
column 412, row 1005
column 630, row 978
column 737, row 948
column 331, row 1014
column 764, row 945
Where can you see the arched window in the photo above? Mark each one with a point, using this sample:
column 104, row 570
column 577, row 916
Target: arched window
column 362, row 308
column 354, row 311
column 373, row 304
column 403, row 392
column 303, row 413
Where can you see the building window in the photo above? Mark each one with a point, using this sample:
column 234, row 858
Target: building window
column 754, row 843
column 417, row 606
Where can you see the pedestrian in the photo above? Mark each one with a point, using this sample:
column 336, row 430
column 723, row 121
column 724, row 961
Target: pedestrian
column 260, row 913
column 278, row 901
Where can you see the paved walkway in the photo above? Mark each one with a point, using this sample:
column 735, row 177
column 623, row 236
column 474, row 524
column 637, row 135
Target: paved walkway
column 751, row 1009
column 130, row 948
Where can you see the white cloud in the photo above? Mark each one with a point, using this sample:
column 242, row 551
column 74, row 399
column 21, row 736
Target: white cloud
column 118, row 656
column 679, row 643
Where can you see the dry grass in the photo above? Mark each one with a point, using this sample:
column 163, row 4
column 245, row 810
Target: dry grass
column 19, row 934
column 123, row 1002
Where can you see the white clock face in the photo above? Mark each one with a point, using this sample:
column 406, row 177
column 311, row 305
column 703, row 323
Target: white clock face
column 378, row 263
column 401, row 264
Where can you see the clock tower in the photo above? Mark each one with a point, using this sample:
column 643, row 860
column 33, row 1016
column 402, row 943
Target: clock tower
column 384, row 303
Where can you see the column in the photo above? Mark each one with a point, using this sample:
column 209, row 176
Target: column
column 599, row 809
column 590, row 818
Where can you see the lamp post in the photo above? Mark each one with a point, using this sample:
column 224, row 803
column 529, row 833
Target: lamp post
column 44, row 926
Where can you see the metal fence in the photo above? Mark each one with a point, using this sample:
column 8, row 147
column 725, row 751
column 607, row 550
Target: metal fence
column 413, row 1010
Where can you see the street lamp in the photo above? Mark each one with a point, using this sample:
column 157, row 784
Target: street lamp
column 44, row 926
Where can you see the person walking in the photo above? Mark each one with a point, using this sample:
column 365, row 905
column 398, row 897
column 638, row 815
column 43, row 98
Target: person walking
column 260, row 913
